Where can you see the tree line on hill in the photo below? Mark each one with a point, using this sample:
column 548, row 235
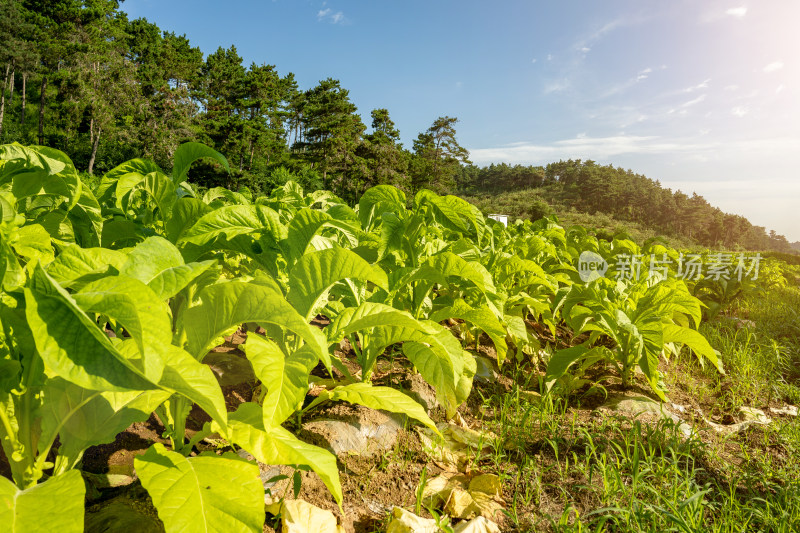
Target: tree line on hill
column 80, row 76
column 625, row 195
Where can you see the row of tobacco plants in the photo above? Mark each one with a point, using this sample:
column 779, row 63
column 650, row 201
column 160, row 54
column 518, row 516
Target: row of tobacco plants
column 111, row 298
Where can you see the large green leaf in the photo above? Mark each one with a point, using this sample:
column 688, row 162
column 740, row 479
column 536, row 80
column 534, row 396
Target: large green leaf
column 277, row 446
column 159, row 264
column 437, row 369
column 380, row 326
column 694, row 340
column 221, row 192
column 21, row 160
column 285, row 377
column 482, row 318
column 151, row 257
column 83, row 418
column 382, row 398
column 119, row 232
column 72, row 345
column 185, row 213
column 87, row 219
column 12, row 274
column 107, row 187
column 307, row 222
column 32, row 242
column 450, row 264
column 563, row 359
column 186, row 376
column 55, row 505
column 143, row 314
column 648, row 341
column 234, row 220
column 209, row 493
column 188, row 153
column 449, row 211
column 316, row 272
column 377, row 200
column 39, row 170
column 126, row 185
column 231, row 304
column 162, row 191
column 76, row 265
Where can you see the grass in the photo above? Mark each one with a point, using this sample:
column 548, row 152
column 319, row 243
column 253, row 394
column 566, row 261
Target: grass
column 565, row 468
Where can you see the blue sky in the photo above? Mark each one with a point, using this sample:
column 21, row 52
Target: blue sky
column 703, row 96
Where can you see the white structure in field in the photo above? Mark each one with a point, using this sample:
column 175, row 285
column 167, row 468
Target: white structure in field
column 503, row 219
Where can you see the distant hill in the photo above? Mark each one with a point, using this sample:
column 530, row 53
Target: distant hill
column 796, row 246
column 611, row 199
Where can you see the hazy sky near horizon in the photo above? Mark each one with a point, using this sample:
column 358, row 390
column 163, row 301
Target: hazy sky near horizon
column 702, row 96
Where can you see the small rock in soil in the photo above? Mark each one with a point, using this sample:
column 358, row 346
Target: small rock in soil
column 366, row 433
column 679, row 408
column 789, row 410
column 753, row 414
column 485, row 371
column 109, row 480
column 268, row 475
column 531, row 396
column 421, row 391
column 635, row 406
column 751, row 417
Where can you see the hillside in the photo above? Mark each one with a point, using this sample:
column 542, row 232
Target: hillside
column 611, row 199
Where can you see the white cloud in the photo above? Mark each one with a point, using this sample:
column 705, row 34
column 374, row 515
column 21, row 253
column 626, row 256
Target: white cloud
column 731, row 88
column 690, row 103
column 779, row 88
column 774, row 66
column 701, row 85
column 328, row 14
column 586, row 49
column 533, row 60
column 737, row 12
column 549, row 57
column 643, row 74
column 740, row 111
column 556, row 86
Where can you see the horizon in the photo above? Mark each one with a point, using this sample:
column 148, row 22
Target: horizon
column 701, row 98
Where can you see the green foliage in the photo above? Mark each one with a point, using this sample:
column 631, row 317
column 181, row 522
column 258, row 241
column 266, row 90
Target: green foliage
column 210, row 492
column 95, row 338
column 643, row 319
column 56, row 505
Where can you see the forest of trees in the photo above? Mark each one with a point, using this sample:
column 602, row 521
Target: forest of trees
column 79, row 76
column 592, row 188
